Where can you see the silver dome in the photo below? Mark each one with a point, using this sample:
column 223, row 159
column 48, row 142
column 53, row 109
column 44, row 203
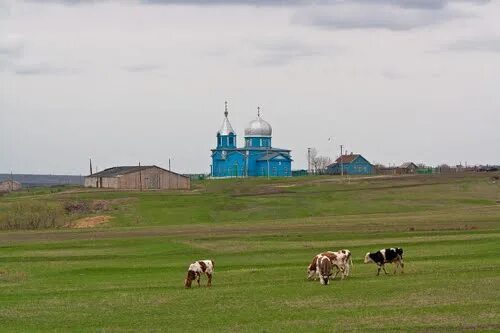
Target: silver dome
column 259, row 127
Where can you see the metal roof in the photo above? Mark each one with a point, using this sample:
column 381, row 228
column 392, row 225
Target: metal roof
column 123, row 170
column 258, row 127
column 347, row 158
column 270, row 156
column 226, row 127
column 406, row 165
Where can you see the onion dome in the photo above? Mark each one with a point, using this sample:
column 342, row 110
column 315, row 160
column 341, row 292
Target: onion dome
column 258, row 127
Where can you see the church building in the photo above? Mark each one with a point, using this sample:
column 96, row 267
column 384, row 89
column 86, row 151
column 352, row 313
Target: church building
column 257, row 159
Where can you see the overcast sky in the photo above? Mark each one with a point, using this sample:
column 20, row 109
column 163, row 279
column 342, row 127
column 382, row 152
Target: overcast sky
column 130, row 81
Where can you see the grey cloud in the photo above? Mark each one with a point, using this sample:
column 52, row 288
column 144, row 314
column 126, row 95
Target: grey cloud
column 142, row 68
column 422, row 4
column 393, row 75
column 478, row 45
column 41, row 69
column 11, row 47
column 281, row 52
column 356, row 16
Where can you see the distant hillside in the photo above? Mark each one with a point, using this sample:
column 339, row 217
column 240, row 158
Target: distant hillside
column 44, row 180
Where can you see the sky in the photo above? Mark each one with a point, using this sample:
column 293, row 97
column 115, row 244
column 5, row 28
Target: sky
column 124, row 82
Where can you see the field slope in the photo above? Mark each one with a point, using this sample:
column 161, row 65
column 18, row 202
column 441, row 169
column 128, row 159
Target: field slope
column 127, row 275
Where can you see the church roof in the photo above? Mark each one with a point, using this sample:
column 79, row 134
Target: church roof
column 254, row 148
column 226, row 127
column 271, row 156
column 258, row 127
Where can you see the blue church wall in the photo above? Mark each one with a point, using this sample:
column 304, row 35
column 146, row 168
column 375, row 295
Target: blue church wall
column 275, row 168
column 251, row 142
column 232, row 166
column 226, row 141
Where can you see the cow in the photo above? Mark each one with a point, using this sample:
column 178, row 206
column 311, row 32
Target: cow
column 348, row 261
column 324, row 268
column 391, row 255
column 338, row 259
column 198, row 268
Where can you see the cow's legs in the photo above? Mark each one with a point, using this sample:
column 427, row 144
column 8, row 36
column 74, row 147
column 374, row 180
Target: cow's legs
column 336, row 272
column 383, row 267
column 209, row 283
column 402, row 266
column 198, row 279
column 378, row 269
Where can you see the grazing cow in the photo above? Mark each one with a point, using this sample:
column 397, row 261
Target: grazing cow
column 195, row 271
column 324, row 268
column 392, row 255
column 338, row 259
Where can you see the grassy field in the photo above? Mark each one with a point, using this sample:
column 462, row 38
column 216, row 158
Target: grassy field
column 127, row 275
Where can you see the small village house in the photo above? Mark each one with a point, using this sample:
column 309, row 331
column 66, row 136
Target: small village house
column 9, row 185
column 138, row 178
column 407, row 168
column 352, row 164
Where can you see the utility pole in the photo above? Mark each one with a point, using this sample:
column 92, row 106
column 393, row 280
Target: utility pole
column 267, row 164
column 308, row 160
column 140, row 176
column 169, row 164
column 341, row 163
column 90, row 166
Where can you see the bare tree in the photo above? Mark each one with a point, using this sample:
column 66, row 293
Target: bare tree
column 322, row 164
column 312, row 154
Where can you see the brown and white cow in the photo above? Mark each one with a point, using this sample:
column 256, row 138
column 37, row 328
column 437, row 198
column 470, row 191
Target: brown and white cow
column 348, row 261
column 324, row 268
column 338, row 260
column 198, row 268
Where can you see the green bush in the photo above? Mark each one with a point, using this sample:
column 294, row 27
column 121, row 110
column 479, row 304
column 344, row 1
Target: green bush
column 33, row 215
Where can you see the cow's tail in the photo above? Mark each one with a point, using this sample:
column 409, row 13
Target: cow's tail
column 213, row 264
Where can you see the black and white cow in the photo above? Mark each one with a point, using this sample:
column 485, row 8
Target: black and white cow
column 392, row 255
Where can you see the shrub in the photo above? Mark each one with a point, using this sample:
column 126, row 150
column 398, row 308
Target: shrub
column 33, row 215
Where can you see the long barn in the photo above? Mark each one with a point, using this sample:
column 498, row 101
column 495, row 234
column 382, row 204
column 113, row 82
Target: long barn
column 138, row 178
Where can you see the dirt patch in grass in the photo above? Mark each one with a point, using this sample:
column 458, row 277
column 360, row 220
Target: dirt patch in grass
column 12, row 276
column 89, row 222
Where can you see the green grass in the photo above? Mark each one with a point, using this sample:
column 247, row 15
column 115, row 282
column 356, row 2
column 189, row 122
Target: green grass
column 128, row 276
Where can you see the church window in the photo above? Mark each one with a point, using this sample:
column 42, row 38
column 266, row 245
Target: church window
column 231, row 140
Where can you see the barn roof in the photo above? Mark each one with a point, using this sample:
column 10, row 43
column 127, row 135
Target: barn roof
column 123, row 170
column 346, row 159
column 407, row 165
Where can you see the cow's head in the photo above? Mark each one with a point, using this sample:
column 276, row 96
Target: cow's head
column 368, row 259
column 326, row 279
column 191, row 275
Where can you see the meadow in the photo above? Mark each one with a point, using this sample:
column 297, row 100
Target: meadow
column 127, row 275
